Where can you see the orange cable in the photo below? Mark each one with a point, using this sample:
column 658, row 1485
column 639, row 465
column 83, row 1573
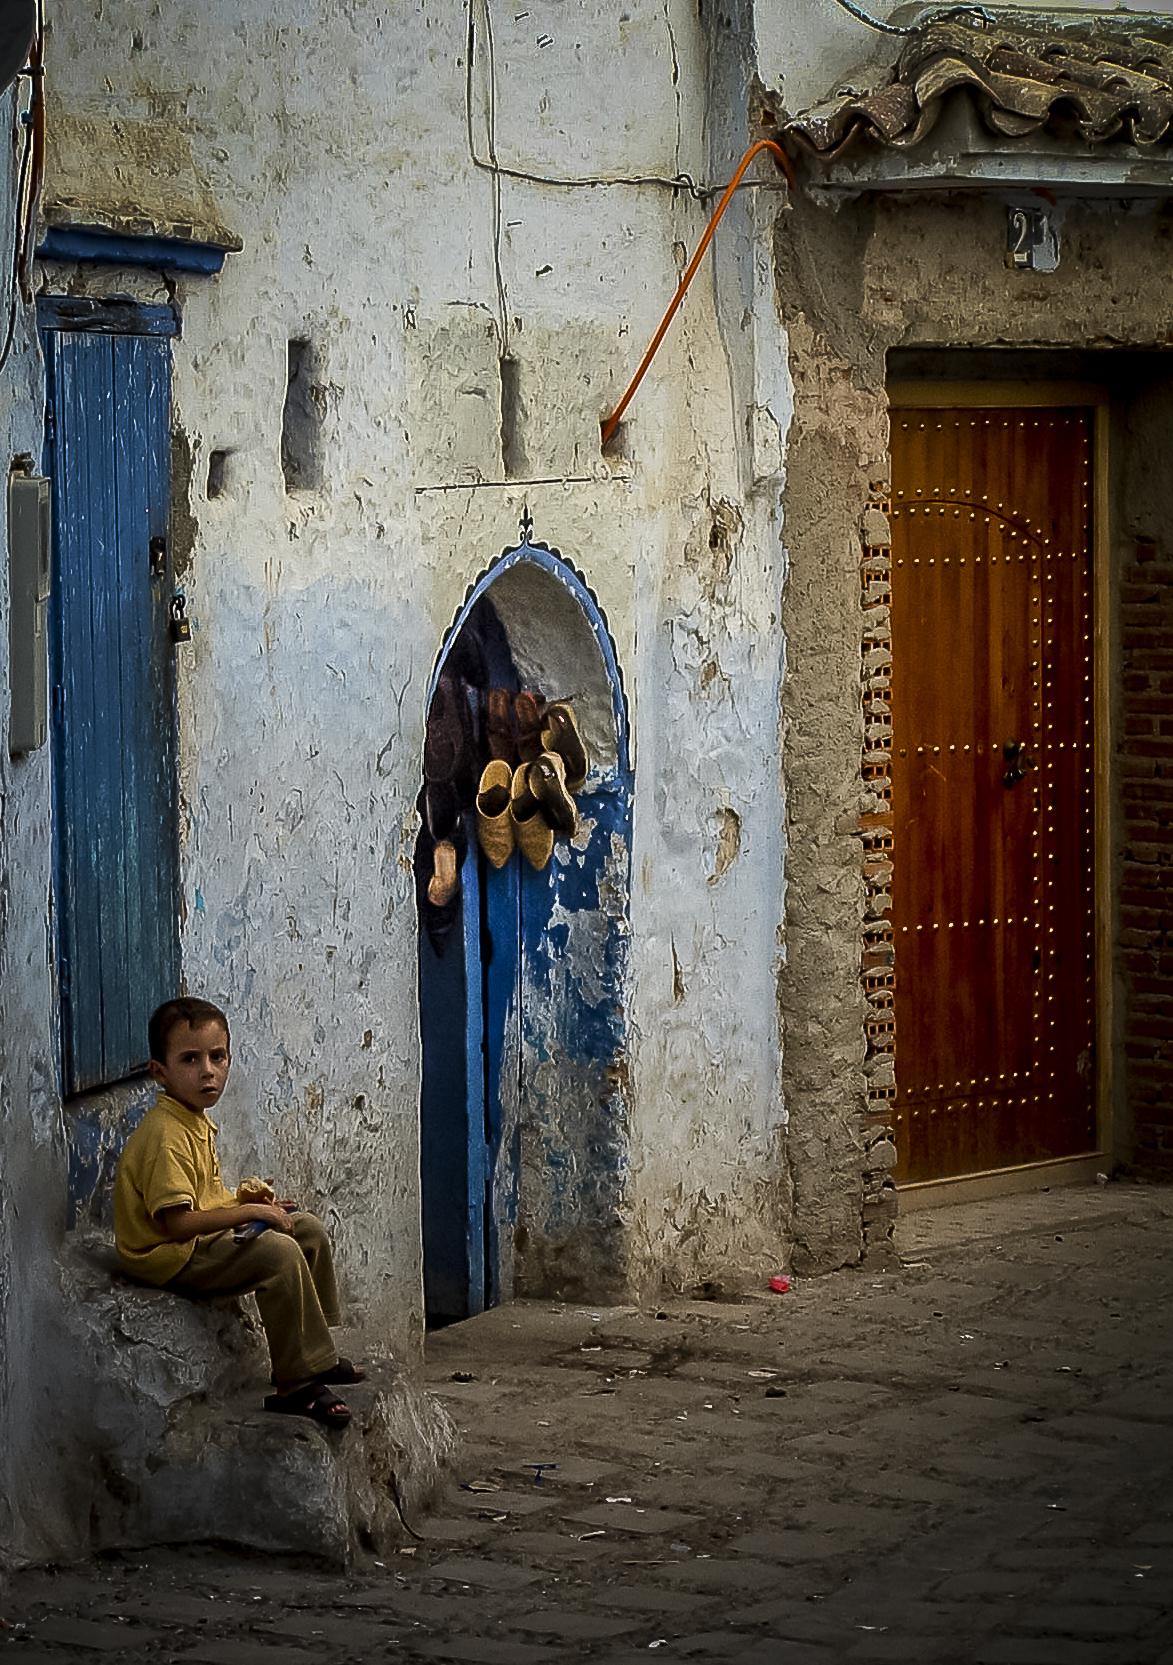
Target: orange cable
column 610, row 423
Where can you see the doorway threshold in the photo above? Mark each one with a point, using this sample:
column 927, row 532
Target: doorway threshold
column 1003, row 1182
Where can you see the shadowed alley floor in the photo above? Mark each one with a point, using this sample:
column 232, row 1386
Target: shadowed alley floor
column 967, row 1459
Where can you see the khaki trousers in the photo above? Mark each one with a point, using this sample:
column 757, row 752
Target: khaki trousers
column 292, row 1277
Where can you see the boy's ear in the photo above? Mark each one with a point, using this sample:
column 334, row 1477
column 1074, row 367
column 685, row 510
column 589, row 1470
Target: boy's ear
column 157, row 1072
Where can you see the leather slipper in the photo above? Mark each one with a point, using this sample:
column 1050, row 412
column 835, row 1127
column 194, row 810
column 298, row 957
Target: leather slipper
column 547, row 782
column 560, row 734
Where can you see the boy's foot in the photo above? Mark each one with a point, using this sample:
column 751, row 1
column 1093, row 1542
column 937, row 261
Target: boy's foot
column 315, row 1400
column 343, row 1372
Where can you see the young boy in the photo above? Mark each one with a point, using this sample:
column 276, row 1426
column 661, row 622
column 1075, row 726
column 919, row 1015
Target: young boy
column 174, row 1221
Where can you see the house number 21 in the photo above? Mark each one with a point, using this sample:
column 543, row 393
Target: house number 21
column 1032, row 243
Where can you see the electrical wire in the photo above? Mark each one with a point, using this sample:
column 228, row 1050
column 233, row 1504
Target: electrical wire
column 13, row 281
column 674, row 182
column 861, row 16
column 32, row 162
column 17, row 235
column 36, row 178
column 491, row 139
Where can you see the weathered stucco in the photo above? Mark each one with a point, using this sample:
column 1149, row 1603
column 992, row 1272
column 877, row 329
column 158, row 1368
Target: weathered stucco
column 459, row 333
column 460, row 319
column 919, row 287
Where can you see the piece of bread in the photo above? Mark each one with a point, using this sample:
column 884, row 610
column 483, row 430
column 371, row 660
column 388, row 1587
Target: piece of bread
column 254, row 1190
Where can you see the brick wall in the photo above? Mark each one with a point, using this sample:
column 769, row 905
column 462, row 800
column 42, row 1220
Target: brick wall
column 1145, row 771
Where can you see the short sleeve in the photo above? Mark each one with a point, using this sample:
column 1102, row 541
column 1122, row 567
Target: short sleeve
column 170, row 1181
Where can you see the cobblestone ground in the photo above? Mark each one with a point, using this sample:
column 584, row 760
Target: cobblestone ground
column 968, row 1459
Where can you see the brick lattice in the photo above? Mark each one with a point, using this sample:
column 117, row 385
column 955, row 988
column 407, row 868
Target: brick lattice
column 1145, row 771
column 878, row 959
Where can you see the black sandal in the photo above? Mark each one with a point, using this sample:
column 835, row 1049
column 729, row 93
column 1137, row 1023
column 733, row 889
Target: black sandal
column 315, row 1401
column 343, row 1373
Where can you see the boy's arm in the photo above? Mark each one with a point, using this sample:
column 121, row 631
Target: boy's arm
column 182, row 1223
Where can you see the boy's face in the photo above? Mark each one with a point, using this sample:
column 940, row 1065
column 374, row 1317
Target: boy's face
column 196, row 1066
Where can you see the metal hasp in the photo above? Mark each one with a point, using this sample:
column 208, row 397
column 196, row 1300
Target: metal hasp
column 180, row 626
column 1018, row 764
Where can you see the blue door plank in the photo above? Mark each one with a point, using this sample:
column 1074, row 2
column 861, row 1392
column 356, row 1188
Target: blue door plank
column 502, row 1013
column 476, row 1166
column 147, row 752
column 104, row 762
column 130, row 596
column 78, row 516
column 162, row 753
column 130, row 586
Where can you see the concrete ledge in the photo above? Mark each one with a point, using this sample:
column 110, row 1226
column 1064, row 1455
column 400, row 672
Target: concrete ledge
column 173, row 1444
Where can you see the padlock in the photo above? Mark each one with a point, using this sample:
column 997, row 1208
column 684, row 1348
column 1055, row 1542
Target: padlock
column 180, row 628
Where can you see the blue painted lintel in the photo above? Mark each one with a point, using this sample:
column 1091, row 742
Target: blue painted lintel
column 110, row 248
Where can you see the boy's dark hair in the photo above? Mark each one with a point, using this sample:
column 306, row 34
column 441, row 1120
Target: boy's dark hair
column 184, row 1010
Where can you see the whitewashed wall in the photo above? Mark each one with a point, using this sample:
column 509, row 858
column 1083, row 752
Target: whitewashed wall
column 32, row 1147
column 335, row 143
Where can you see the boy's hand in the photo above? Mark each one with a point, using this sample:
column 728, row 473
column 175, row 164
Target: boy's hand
column 272, row 1214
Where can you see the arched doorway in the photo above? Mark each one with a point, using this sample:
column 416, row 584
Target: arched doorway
column 523, row 1109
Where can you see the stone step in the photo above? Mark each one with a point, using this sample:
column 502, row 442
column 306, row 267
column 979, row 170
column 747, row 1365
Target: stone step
column 168, row 1409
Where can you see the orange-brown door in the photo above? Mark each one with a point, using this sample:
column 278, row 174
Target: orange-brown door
column 993, row 787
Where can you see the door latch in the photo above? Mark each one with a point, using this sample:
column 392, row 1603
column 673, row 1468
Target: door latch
column 180, row 627
column 1018, row 763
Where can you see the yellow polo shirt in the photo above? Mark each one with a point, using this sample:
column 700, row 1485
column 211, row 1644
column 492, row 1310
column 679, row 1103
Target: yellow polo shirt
column 170, row 1159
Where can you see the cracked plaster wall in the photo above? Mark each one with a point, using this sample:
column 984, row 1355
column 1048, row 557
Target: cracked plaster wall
column 335, row 146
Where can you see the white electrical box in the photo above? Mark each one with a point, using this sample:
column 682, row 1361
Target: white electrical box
column 28, row 602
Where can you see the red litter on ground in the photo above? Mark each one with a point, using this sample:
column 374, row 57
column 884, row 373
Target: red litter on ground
column 780, row 1286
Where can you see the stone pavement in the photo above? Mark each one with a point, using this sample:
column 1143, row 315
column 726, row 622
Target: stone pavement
column 968, row 1459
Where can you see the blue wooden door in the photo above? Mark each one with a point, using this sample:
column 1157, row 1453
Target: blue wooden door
column 112, row 669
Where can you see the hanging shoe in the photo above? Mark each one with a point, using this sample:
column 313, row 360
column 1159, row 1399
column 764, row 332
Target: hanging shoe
column 445, row 880
column 500, row 733
column 494, row 819
column 444, row 736
column 532, row 833
column 560, row 734
column 547, row 782
column 529, row 725
column 442, row 811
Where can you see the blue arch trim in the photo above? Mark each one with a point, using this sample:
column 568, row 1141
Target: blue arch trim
column 551, row 561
